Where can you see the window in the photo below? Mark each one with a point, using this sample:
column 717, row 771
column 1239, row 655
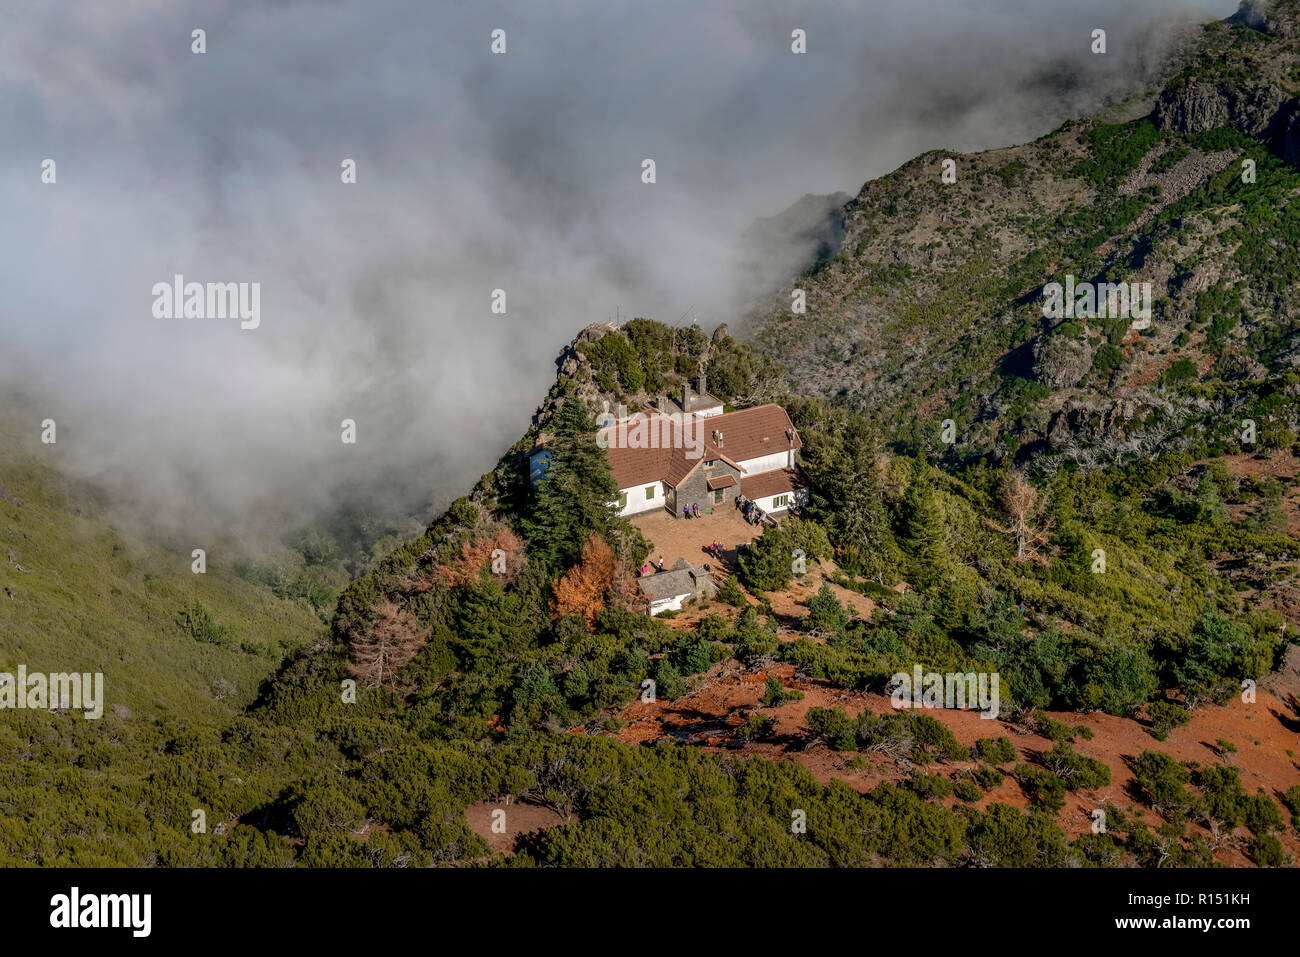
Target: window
column 622, row 499
column 649, row 492
column 781, row 501
column 710, row 463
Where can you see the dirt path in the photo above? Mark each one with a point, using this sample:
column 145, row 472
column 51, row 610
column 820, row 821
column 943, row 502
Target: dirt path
column 520, row 818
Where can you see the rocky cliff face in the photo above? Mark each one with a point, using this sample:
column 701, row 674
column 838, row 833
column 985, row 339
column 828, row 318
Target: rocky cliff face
column 1250, row 85
column 932, row 307
column 1198, row 106
column 1280, row 18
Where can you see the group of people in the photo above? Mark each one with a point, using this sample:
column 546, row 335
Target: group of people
column 714, row 548
column 647, row 568
column 690, row 511
column 753, row 514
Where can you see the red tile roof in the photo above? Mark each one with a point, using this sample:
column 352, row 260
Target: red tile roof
column 771, row 483
column 747, row 434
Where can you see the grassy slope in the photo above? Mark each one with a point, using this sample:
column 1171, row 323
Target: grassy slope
column 94, row 599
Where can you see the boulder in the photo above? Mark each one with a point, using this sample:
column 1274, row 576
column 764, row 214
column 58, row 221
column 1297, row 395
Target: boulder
column 1061, row 361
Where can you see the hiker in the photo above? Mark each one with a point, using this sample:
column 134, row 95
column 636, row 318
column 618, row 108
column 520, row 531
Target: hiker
column 695, row 511
column 686, row 511
column 661, row 563
column 645, row 569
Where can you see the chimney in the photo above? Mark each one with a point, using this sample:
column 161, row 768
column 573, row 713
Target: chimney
column 686, row 394
column 717, row 437
column 702, row 389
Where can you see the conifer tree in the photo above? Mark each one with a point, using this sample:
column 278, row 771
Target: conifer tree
column 924, row 528
column 577, row 495
column 848, row 498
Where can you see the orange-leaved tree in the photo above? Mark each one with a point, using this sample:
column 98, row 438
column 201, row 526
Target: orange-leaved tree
column 584, row 588
column 497, row 550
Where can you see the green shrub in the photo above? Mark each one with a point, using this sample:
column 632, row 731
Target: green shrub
column 930, row 785
column 775, row 694
column 1043, row 788
column 996, row 750
column 1266, row 850
column 967, row 791
column 730, row 592
column 757, row 726
column 989, row 777
column 1165, row 716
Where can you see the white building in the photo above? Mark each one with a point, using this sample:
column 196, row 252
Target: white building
column 690, row 452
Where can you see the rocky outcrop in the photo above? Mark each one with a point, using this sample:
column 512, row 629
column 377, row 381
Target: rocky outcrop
column 569, row 359
column 1199, row 105
column 1074, row 421
column 1194, row 108
column 1281, row 18
column 1061, row 361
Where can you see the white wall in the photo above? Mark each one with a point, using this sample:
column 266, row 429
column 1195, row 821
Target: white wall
column 767, row 463
column 638, row 502
column 797, row 497
column 667, row 604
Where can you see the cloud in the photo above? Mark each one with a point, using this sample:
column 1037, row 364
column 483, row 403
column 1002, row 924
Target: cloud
column 475, row 172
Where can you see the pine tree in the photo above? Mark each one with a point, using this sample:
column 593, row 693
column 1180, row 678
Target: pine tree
column 925, row 530
column 577, row 495
column 848, row 498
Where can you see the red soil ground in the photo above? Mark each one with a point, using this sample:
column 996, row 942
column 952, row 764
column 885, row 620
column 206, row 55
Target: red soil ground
column 1264, row 732
column 522, row 818
column 674, row 538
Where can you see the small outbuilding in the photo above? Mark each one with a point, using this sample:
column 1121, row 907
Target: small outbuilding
column 665, row 591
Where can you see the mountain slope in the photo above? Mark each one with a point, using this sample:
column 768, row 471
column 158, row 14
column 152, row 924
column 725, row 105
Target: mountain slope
column 76, row 594
column 932, row 308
